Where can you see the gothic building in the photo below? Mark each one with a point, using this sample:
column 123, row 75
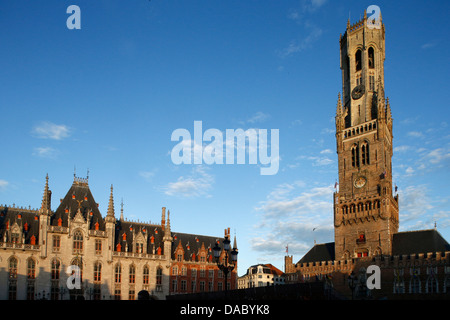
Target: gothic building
column 75, row 253
column 366, row 210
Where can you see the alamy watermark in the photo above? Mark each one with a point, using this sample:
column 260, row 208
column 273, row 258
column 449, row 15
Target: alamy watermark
column 374, row 20
column 193, row 151
column 74, row 279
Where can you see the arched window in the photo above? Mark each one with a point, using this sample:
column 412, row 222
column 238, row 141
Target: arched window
column 358, row 61
column 118, row 273
column 97, row 272
column 132, row 274
column 371, row 56
column 355, row 156
column 365, row 153
column 146, row 275
column 78, row 242
column 77, row 262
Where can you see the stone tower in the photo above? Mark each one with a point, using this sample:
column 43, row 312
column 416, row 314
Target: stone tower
column 365, row 210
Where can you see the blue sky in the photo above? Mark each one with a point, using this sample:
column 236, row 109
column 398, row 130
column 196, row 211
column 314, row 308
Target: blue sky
column 107, row 98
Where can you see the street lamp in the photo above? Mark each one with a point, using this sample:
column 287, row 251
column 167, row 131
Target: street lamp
column 226, row 266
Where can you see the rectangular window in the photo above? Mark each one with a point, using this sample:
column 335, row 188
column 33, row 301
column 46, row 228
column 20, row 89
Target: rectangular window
column 183, row 285
column 202, row 286
column 131, row 295
column 117, row 294
column 98, row 246
column 56, row 243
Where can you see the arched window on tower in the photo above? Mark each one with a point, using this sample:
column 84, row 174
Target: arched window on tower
column 365, row 153
column 371, row 56
column 358, row 60
column 355, row 156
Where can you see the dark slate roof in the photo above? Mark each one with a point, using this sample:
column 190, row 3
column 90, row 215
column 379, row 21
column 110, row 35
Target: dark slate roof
column 131, row 229
column 192, row 243
column 320, row 252
column 421, row 241
column 27, row 220
column 80, row 197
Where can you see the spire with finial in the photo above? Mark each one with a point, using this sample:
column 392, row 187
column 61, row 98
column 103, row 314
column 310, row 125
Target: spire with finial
column 167, row 227
column 121, row 210
column 339, row 105
column 110, row 211
column 45, row 206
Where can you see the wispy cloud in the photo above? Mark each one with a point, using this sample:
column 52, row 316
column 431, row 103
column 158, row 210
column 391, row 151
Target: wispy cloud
column 299, row 45
column 294, row 214
column 49, row 130
column 147, row 175
column 45, row 152
column 197, row 184
column 258, row 117
column 3, row 184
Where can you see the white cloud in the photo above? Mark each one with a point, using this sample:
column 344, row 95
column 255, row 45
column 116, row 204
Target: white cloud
column 438, row 155
column 258, row 117
column 3, row 184
column 197, row 184
column 415, row 134
column 326, row 151
column 45, row 152
column 402, row 148
column 49, row 130
column 147, row 175
column 289, row 215
column 320, row 161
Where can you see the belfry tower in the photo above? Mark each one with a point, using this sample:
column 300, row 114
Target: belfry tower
column 365, row 209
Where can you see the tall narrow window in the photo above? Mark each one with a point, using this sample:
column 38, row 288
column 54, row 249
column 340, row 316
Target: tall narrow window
column 371, row 56
column 159, row 279
column 358, row 61
column 97, row 272
column 355, row 156
column 55, row 269
column 118, row 274
column 146, row 275
column 372, row 83
column 365, row 153
column 132, row 274
column 12, row 283
column 31, row 276
column 77, row 242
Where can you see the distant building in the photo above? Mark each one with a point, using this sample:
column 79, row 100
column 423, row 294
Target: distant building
column 114, row 258
column 366, row 210
column 261, row 275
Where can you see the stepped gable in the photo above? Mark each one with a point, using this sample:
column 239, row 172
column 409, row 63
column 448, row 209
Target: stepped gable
column 21, row 220
column 420, row 241
column 126, row 231
column 192, row 244
column 79, row 197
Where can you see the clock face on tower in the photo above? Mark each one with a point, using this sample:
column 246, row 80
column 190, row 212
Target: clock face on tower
column 358, row 92
column 360, row 182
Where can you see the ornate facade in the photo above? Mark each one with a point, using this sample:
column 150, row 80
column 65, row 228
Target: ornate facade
column 44, row 253
column 366, row 212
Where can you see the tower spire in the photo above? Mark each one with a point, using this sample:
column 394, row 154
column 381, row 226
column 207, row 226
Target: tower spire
column 45, row 205
column 121, row 210
column 110, row 211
